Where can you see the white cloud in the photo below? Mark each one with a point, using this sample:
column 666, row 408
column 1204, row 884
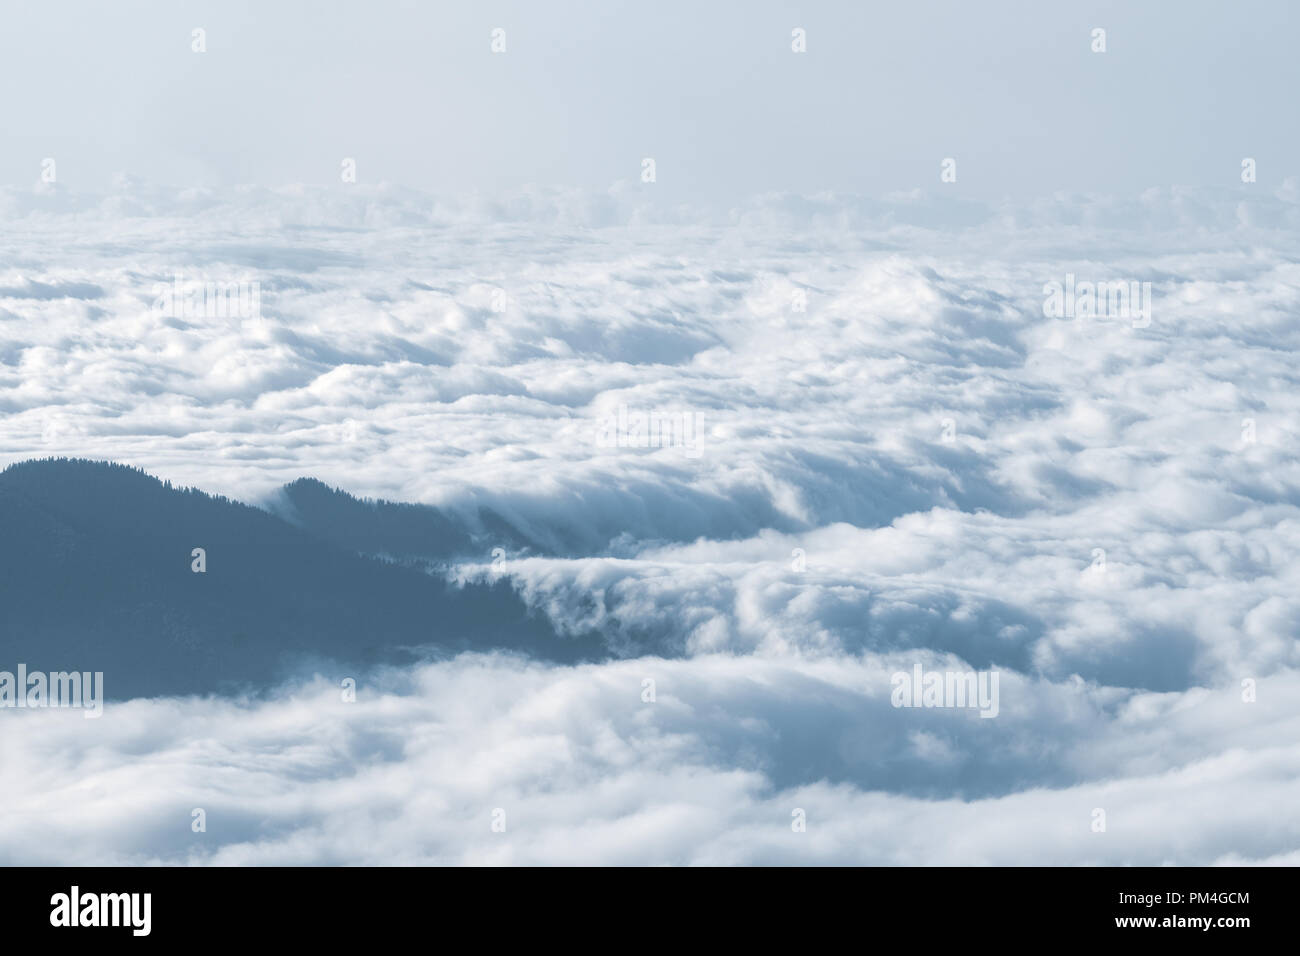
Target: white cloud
column 969, row 482
column 587, row 772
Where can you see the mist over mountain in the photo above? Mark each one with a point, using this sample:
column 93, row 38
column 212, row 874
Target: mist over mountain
column 96, row 573
column 395, row 529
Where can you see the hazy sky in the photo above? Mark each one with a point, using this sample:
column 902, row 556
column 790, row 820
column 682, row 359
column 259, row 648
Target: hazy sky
column 711, row 91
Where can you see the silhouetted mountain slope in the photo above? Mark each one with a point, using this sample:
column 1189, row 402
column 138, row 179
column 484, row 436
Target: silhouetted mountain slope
column 373, row 527
column 398, row 529
column 95, row 574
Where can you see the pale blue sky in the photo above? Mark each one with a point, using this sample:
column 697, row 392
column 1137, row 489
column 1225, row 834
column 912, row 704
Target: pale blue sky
column 712, row 91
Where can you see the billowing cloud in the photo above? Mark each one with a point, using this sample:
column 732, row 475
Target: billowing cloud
column 586, row 769
column 878, row 447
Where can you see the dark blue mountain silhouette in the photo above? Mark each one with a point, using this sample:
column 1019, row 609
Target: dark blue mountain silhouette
column 398, row 529
column 95, row 575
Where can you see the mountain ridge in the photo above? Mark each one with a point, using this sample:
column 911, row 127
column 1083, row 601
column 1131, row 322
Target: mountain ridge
column 97, row 573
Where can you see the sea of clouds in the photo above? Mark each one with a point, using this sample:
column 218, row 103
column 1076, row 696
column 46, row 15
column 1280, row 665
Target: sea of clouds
column 900, row 459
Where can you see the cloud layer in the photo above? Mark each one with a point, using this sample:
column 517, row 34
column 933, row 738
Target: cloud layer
column 901, row 459
column 711, row 771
